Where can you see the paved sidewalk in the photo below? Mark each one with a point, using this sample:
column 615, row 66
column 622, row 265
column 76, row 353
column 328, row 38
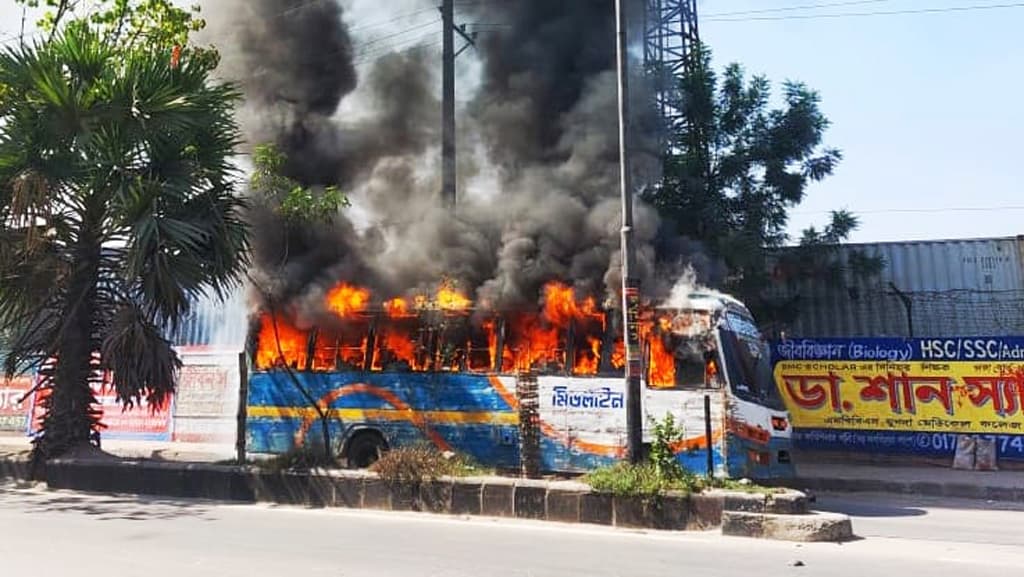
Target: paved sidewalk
column 12, row 445
column 919, row 480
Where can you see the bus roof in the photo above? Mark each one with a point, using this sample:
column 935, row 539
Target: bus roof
column 710, row 302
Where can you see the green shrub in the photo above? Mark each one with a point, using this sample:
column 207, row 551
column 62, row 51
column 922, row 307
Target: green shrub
column 421, row 463
column 666, row 435
column 661, row 472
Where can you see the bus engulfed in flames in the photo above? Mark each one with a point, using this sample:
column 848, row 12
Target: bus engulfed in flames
column 445, row 332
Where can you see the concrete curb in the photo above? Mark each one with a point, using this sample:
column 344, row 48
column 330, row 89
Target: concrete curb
column 804, row 528
column 787, row 503
column 565, row 502
column 927, row 488
column 14, row 466
column 561, row 501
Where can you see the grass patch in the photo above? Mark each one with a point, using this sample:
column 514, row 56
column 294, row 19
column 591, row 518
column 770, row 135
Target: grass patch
column 649, row 480
column 643, row 480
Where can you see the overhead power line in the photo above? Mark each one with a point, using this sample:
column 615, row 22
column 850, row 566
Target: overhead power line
column 921, row 210
column 795, row 8
column 949, row 9
column 398, row 18
column 373, row 41
column 401, row 46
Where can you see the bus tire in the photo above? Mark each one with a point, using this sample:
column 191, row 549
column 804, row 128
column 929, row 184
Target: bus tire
column 364, row 449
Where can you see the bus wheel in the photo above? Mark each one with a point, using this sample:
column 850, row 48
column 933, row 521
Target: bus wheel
column 364, row 449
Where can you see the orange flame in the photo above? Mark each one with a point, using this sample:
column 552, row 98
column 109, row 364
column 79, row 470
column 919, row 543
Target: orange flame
column 449, row 299
column 662, row 369
column 396, row 346
column 619, row 355
column 477, row 363
column 332, row 348
column 539, row 341
column 293, row 344
column 560, row 304
column 397, row 308
column 346, row 300
column 588, row 359
column 533, row 344
column 534, row 340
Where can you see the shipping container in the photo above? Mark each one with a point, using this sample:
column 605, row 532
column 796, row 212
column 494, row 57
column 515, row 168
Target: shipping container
column 953, row 287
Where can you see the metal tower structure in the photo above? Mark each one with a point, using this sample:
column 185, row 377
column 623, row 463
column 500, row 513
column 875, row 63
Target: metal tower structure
column 670, row 39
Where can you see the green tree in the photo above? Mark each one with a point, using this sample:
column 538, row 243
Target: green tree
column 128, row 24
column 740, row 166
column 296, row 204
column 117, row 208
column 297, row 210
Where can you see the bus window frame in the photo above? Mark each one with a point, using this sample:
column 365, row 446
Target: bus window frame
column 716, row 356
column 369, row 321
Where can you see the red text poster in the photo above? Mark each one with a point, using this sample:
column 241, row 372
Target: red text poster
column 13, row 410
column 141, row 422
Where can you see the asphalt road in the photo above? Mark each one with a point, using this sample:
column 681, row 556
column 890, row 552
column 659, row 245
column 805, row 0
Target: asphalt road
column 960, row 521
column 60, row 533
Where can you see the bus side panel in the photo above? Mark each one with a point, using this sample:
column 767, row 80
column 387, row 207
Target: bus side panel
column 463, row 413
column 687, row 409
column 583, row 423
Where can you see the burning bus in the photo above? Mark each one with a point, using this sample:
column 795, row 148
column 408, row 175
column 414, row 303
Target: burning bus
column 515, row 388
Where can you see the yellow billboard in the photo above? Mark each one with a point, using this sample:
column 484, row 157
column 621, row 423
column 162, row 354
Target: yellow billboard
column 921, row 396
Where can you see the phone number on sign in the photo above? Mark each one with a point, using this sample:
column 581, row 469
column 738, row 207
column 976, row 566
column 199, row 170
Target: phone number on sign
column 924, row 444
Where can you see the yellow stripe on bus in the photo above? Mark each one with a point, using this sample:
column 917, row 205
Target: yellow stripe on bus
column 454, row 417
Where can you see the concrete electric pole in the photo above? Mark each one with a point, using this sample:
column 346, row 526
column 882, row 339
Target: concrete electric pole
column 448, row 184
column 448, row 179
column 630, row 284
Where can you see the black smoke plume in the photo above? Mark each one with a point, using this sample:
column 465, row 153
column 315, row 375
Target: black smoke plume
column 539, row 164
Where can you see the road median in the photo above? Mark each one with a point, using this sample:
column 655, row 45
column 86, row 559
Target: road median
column 558, row 501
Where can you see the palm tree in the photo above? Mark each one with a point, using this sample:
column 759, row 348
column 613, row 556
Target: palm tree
column 117, row 208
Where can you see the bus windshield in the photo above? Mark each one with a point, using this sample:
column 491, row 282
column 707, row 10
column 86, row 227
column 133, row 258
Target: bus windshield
column 748, row 362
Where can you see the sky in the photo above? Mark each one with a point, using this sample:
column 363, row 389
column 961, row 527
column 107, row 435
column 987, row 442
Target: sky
column 923, row 105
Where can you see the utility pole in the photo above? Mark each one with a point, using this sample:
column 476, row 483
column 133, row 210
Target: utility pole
column 448, row 184
column 630, row 285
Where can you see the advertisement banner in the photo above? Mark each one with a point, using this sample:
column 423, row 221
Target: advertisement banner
column 14, row 410
column 206, row 391
column 206, row 404
column 992, row 349
column 142, row 422
column 908, row 396
column 953, row 397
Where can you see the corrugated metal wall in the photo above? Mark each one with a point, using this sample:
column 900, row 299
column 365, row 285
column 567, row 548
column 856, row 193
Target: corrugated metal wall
column 216, row 324
column 957, row 288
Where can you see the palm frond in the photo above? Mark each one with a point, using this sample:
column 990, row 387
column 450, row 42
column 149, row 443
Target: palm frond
column 140, row 359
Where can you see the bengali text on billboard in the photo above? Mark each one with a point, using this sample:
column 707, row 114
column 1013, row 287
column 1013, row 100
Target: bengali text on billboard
column 969, row 385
